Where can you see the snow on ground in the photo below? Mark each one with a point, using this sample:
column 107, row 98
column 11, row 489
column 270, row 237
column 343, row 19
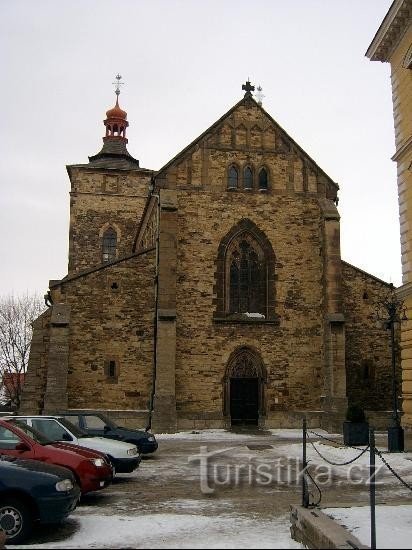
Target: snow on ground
column 174, row 531
column 393, row 524
column 400, row 462
column 355, row 472
column 206, row 435
column 222, row 435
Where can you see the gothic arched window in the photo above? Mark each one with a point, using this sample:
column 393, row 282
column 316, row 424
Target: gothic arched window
column 246, row 266
column 245, row 274
column 263, row 179
column 248, row 178
column 233, row 178
column 109, row 245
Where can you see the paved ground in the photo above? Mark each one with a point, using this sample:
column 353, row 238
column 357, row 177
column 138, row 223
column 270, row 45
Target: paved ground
column 243, row 499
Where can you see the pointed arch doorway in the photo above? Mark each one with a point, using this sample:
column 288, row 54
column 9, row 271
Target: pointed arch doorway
column 244, row 388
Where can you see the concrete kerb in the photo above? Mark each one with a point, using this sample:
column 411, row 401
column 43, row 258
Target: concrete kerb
column 314, row 529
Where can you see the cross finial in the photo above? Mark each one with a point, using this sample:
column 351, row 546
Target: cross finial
column 259, row 95
column 248, row 88
column 118, row 84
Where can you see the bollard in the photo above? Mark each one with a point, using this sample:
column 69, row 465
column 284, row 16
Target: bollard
column 372, row 486
column 305, row 492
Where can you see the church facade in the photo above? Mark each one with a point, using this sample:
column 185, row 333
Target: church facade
column 211, row 292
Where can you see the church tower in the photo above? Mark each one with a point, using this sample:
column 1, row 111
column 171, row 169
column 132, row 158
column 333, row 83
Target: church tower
column 107, row 197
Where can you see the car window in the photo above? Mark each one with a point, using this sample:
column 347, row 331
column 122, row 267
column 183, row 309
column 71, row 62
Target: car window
column 94, row 422
column 8, row 439
column 72, row 428
column 73, row 419
column 49, row 428
column 31, row 432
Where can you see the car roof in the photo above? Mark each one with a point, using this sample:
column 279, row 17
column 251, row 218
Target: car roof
column 36, row 416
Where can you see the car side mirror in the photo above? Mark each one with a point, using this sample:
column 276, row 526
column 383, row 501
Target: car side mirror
column 106, row 429
column 67, row 437
column 22, row 447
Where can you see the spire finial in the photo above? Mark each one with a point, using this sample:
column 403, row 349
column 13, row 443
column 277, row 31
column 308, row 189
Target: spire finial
column 118, row 84
column 248, row 88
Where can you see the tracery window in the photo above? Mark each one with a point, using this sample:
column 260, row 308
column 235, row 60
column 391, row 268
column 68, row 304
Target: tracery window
column 248, row 178
column 233, row 178
column 263, row 179
column 245, row 276
column 109, row 245
column 246, row 267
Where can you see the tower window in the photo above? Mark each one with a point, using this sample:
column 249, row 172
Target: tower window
column 112, row 369
column 233, row 178
column 248, row 178
column 109, row 245
column 263, row 180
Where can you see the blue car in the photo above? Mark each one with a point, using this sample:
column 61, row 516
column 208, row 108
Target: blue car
column 33, row 492
column 98, row 424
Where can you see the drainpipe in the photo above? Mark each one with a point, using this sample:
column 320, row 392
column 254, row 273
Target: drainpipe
column 152, row 393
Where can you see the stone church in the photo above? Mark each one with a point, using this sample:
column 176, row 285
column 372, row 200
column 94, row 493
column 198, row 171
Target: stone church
column 211, row 292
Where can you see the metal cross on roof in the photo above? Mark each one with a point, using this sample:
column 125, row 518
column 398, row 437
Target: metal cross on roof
column 259, row 94
column 248, row 87
column 118, row 84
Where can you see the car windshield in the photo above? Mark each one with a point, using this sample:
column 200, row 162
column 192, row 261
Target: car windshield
column 75, row 430
column 31, row 432
column 107, row 421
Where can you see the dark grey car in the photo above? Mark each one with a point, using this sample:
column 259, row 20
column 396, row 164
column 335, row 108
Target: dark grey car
column 98, row 424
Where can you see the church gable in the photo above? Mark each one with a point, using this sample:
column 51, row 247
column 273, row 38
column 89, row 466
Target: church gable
column 246, row 136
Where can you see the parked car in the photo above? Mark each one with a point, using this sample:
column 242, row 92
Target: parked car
column 33, row 492
column 124, row 457
column 90, row 468
column 99, row 424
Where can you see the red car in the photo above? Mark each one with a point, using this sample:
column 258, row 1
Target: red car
column 90, row 468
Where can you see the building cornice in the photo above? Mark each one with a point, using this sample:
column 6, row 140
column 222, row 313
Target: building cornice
column 405, row 291
column 392, row 28
column 404, row 149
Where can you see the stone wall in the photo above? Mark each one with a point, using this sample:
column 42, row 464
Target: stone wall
column 99, row 200
column 368, row 343
column 401, row 78
column 32, row 400
column 112, row 319
column 290, row 340
column 291, row 349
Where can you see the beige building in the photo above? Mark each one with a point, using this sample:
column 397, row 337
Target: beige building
column 211, row 292
column 393, row 44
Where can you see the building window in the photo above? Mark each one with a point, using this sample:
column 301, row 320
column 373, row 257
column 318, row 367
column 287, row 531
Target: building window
column 233, row 178
column 248, row 178
column 368, row 372
column 263, row 180
column 245, row 275
column 109, row 245
column 111, row 370
column 247, row 292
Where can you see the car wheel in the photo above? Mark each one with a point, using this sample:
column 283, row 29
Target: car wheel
column 15, row 520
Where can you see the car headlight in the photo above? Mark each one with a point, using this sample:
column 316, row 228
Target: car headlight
column 64, row 485
column 132, row 451
column 151, row 438
column 99, row 462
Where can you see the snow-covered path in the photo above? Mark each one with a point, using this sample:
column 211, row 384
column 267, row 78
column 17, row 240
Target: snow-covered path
column 241, row 500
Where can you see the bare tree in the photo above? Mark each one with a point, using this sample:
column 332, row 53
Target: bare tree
column 16, row 316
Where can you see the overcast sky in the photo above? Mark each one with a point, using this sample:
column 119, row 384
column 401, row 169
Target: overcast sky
column 183, row 63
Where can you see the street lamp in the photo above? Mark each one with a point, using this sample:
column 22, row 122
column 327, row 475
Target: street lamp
column 390, row 311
